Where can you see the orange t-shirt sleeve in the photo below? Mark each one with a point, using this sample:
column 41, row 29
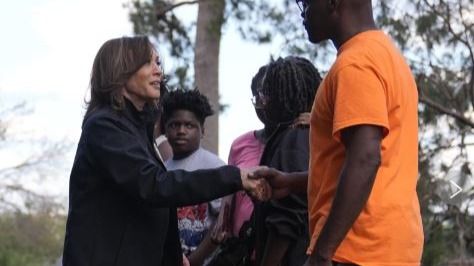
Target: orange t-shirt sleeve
column 359, row 99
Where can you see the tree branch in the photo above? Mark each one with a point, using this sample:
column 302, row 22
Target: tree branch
column 471, row 84
column 447, row 20
column 160, row 12
column 438, row 107
column 467, row 30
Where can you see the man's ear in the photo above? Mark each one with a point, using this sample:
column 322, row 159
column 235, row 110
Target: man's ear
column 202, row 131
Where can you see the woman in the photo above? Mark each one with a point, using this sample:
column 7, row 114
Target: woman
column 122, row 201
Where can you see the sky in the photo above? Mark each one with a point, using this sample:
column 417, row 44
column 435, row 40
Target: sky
column 46, row 56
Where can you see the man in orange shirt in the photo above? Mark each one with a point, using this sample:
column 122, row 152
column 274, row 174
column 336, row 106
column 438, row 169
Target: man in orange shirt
column 362, row 202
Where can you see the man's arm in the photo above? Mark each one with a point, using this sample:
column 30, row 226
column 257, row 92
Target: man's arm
column 281, row 183
column 362, row 160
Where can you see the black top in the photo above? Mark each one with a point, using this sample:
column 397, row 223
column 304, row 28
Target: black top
column 287, row 150
column 122, row 201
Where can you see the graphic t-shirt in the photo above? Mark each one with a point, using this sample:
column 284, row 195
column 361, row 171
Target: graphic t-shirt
column 194, row 221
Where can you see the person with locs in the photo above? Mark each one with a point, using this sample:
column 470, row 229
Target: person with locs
column 283, row 91
column 362, row 202
column 288, row 90
column 122, row 200
column 245, row 151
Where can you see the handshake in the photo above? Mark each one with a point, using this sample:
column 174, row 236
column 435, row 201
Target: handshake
column 263, row 183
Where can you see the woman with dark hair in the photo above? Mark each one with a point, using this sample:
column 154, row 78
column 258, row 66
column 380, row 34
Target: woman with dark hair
column 122, row 201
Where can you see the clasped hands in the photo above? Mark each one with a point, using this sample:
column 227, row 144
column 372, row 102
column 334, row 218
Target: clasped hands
column 263, row 183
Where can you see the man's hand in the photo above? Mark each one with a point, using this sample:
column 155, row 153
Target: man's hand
column 257, row 188
column 279, row 181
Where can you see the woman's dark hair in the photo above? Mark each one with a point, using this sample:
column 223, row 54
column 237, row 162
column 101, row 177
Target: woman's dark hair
column 290, row 84
column 191, row 100
column 257, row 79
column 255, row 86
column 116, row 61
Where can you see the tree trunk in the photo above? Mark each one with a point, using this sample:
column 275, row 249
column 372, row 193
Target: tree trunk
column 206, row 63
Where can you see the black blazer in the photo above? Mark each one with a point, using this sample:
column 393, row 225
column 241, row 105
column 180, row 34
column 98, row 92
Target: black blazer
column 122, row 201
column 287, row 150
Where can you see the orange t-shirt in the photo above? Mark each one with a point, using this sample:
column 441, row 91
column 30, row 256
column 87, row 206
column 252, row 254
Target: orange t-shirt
column 369, row 83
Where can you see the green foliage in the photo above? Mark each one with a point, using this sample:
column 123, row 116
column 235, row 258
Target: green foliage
column 152, row 18
column 31, row 224
column 30, row 239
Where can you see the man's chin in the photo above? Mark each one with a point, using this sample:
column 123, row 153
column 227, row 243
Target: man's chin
column 314, row 39
column 314, row 36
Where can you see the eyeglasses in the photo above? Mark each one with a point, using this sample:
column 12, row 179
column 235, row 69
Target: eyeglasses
column 301, row 5
column 259, row 101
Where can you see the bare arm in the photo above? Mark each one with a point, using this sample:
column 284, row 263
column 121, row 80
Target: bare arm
column 298, row 182
column 356, row 180
column 203, row 251
column 282, row 184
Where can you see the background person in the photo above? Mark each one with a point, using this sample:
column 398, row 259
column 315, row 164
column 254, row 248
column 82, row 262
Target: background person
column 184, row 115
column 288, row 90
column 245, row 151
column 236, row 209
column 122, row 201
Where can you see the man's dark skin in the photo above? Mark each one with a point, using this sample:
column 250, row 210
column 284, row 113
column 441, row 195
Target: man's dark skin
column 338, row 21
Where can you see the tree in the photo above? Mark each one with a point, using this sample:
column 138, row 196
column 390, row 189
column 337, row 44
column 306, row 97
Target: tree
column 34, row 238
column 31, row 223
column 39, row 163
column 206, row 62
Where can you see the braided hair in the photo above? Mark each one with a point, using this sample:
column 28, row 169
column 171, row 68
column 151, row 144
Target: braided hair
column 257, row 79
column 191, row 100
column 290, row 85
